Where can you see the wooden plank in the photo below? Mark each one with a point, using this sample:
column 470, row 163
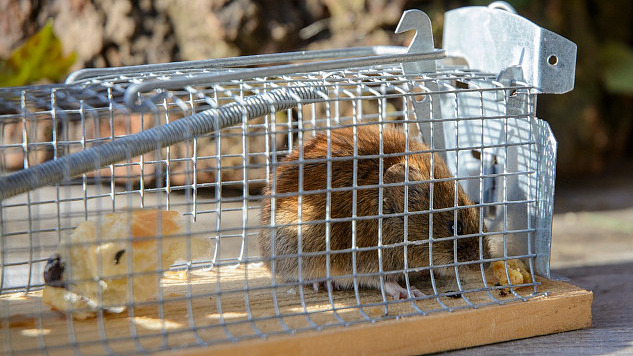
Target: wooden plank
column 29, row 326
column 566, row 308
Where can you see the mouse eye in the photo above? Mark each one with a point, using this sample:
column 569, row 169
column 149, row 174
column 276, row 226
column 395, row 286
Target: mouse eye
column 117, row 256
column 452, row 227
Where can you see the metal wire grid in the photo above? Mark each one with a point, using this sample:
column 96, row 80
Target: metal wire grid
column 33, row 224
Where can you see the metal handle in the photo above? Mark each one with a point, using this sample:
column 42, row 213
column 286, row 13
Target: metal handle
column 234, row 62
column 135, row 101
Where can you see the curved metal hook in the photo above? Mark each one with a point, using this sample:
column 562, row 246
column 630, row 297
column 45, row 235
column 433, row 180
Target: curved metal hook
column 422, row 41
column 432, row 132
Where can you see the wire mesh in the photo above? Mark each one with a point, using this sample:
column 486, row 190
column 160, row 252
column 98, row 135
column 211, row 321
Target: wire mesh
column 231, row 189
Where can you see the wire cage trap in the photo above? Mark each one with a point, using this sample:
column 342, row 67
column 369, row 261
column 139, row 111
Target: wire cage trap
column 212, row 202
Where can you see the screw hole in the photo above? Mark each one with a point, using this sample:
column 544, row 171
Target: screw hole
column 552, row 60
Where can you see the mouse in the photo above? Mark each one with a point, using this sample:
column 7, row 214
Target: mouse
column 308, row 235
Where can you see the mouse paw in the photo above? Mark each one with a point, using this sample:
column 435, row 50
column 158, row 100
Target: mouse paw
column 324, row 284
column 397, row 292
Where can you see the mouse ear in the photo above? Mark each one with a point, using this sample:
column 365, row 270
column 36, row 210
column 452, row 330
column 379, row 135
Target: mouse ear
column 398, row 172
column 394, row 197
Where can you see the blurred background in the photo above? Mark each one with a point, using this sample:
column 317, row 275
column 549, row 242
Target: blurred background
column 43, row 41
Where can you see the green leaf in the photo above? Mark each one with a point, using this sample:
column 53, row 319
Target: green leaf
column 40, row 57
column 617, row 67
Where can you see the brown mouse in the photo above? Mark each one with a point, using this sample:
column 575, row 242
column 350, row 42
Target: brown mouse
column 448, row 219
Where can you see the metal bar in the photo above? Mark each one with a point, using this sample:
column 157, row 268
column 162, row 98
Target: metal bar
column 243, row 61
column 132, row 93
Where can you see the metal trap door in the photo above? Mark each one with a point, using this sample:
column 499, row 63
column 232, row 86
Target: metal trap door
column 493, row 139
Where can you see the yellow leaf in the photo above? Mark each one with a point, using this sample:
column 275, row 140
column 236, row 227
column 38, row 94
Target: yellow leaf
column 40, row 57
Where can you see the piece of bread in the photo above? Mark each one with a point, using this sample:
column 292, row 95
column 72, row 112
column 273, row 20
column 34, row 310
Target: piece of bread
column 517, row 271
column 117, row 260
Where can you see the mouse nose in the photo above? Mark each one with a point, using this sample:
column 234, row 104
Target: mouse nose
column 54, row 272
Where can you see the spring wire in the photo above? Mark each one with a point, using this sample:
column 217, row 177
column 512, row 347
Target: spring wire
column 187, row 128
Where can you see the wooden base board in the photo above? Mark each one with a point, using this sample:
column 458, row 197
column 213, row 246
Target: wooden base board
column 566, row 308
column 180, row 323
